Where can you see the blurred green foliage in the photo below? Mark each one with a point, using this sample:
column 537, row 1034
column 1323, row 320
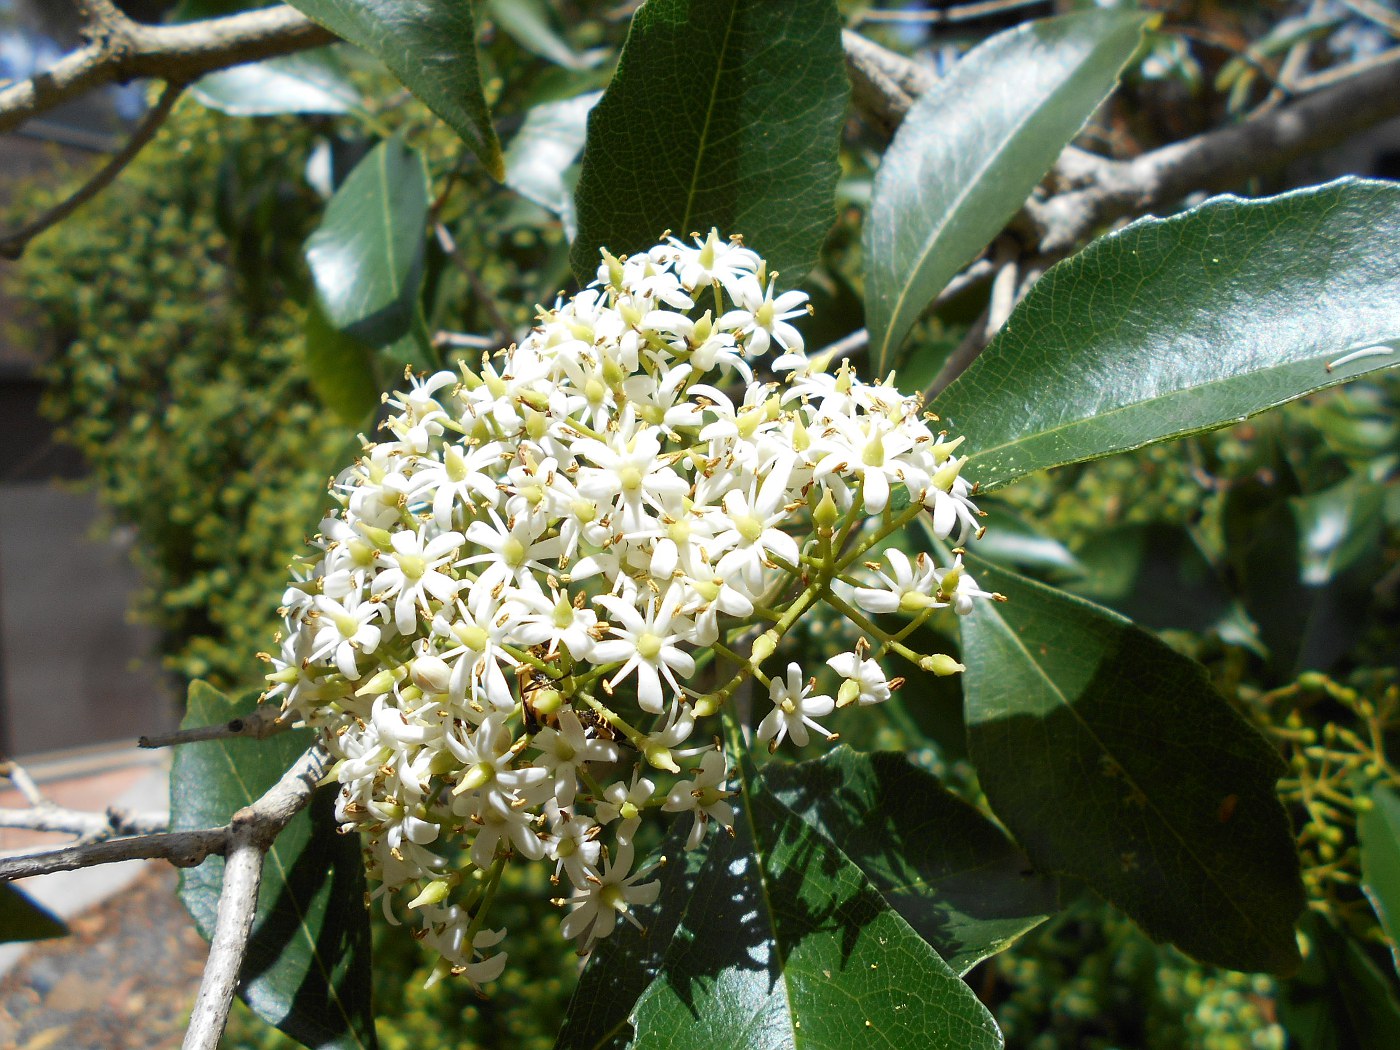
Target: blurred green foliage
column 173, row 344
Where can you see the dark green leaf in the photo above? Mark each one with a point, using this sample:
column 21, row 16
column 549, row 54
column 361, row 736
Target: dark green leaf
column 528, row 23
column 1339, row 1000
column 1173, row 326
column 311, row 82
column 22, row 919
column 341, row 369
column 366, row 257
column 1379, row 829
column 1112, row 759
column 1304, row 566
column 785, row 943
column 620, row 967
column 971, row 150
column 947, row 869
column 723, row 113
column 431, row 48
column 308, row 967
column 1154, row 574
column 540, row 157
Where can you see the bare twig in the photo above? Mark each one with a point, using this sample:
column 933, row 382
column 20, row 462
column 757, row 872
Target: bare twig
column 1004, row 285
column 1337, row 74
column 12, row 244
column 855, row 342
column 264, row 722
column 251, row 834
column 1006, row 292
column 465, row 341
column 81, row 824
column 963, row 355
column 182, row 848
column 23, row 782
column 238, row 905
column 1381, row 15
column 480, row 292
column 1217, row 159
column 123, row 50
column 884, row 83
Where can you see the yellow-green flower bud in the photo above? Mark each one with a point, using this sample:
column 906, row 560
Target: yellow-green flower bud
column 941, row 664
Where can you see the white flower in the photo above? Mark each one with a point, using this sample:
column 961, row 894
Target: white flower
column 564, row 750
column 529, row 566
column 413, row 573
column 704, row 796
column 602, row 898
column 909, row 590
column 794, row 710
column 647, row 644
column 760, row 319
column 958, row 589
column 345, row 628
column 625, row 804
column 713, row 260
column 865, row 680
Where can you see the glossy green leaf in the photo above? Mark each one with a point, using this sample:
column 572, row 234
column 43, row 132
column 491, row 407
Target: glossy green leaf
column 785, row 943
column 1379, row 830
column 23, row 919
column 307, row 969
column 366, row 257
column 311, row 82
column 431, row 48
column 340, row 368
column 1173, row 326
column 540, row 158
column 948, row 870
column 529, row 25
column 971, row 150
column 1112, row 759
column 723, row 113
column 1339, row 1000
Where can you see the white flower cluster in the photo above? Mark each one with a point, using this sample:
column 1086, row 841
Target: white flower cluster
column 532, row 593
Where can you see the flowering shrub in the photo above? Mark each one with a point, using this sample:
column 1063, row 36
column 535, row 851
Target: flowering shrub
column 558, row 567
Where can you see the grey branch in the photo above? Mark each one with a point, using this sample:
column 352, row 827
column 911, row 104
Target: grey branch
column 250, row 835
column 264, row 722
column 1096, row 191
column 238, row 905
column 1218, row 159
column 182, row 848
column 81, row 824
column 23, row 782
column 121, row 50
column 259, row 823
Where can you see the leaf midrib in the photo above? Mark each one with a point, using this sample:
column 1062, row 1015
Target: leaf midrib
column 970, row 186
column 984, row 453
column 692, row 191
column 1210, row 874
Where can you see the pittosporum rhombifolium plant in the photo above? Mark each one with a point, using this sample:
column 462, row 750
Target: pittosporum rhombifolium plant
column 596, row 593
column 520, row 627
